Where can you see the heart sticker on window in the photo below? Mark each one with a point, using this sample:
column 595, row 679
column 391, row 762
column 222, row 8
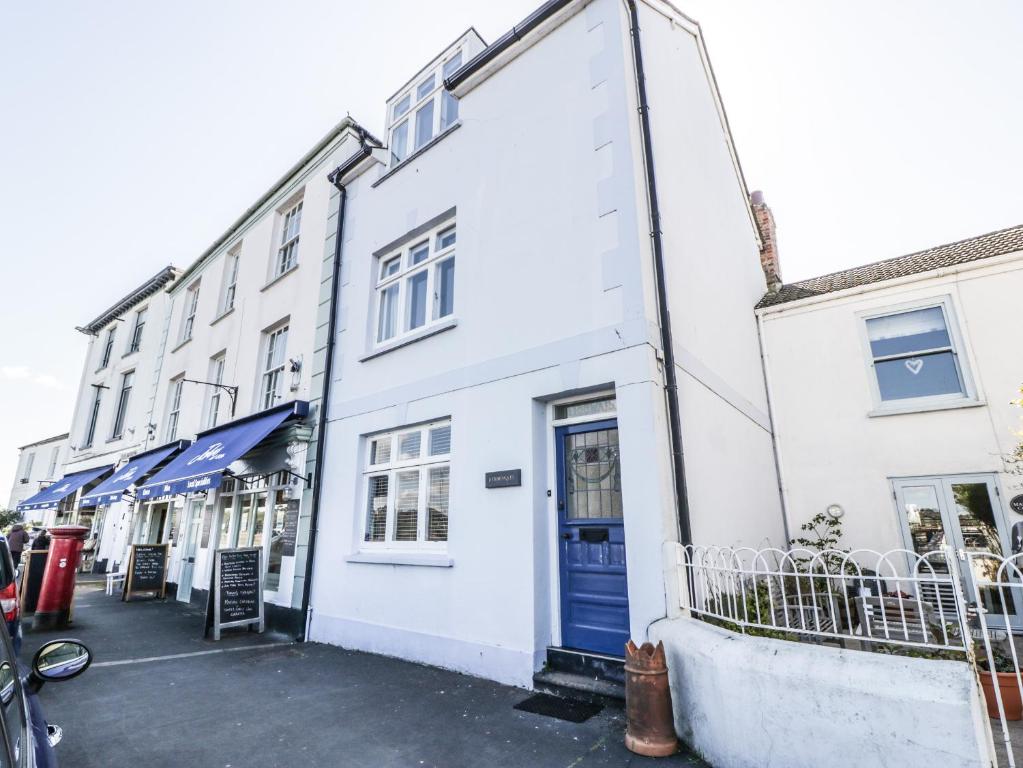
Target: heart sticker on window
column 915, row 365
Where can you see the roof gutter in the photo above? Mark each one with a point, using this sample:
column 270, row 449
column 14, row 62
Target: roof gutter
column 365, row 150
column 663, row 314
column 505, row 41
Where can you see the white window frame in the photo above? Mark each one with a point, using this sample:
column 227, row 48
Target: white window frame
column 216, row 375
column 174, row 390
column 93, row 422
column 286, row 254
column 431, row 265
column 268, row 370
column 390, row 469
column 968, row 397
column 436, row 94
column 137, row 328
column 26, row 473
column 189, row 310
column 123, row 401
column 54, row 456
column 108, row 348
column 229, row 292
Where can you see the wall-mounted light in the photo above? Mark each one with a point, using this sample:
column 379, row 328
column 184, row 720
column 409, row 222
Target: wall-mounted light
column 835, row 511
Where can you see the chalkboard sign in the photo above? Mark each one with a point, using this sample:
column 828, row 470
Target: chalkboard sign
column 32, row 580
column 147, row 570
column 290, row 532
column 236, row 595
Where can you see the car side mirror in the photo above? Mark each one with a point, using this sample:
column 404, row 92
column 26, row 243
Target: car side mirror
column 58, row 660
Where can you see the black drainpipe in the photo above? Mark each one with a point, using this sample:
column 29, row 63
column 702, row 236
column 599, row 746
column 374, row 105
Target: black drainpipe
column 663, row 316
column 328, row 370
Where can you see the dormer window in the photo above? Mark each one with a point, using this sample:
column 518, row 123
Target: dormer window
column 423, row 110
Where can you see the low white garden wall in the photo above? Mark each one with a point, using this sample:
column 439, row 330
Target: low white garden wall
column 750, row 701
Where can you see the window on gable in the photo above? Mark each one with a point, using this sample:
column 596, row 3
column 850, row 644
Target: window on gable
column 139, row 324
column 275, row 347
column 108, row 348
column 191, row 307
column 416, row 285
column 287, row 252
column 425, row 110
column 123, row 398
column 914, row 355
column 230, row 289
column 174, row 408
column 407, row 487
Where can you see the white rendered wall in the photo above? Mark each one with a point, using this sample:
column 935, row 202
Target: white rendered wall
column 550, row 300
column 260, row 304
column 832, row 451
column 553, row 296
column 39, row 473
column 713, row 280
column 754, row 702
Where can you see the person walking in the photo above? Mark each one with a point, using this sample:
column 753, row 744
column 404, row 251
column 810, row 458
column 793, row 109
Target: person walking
column 17, row 540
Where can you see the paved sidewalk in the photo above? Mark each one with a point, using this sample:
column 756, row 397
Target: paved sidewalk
column 258, row 700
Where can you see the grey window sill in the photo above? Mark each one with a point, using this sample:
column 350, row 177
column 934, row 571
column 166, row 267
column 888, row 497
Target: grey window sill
column 129, row 353
column 426, row 147
column 950, row 405
column 433, row 330
column 221, row 316
column 181, row 344
column 279, row 277
column 429, row 559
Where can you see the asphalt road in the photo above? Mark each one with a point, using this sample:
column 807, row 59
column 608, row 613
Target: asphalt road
column 159, row 695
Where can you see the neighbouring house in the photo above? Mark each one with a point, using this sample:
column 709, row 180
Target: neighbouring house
column 39, row 464
column 111, row 417
column 891, row 388
column 240, row 383
column 546, row 359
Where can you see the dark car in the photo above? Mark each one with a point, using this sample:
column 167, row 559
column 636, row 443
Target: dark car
column 26, row 740
column 9, row 603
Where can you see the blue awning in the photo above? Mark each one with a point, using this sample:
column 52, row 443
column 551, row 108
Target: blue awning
column 112, row 489
column 201, row 466
column 60, row 490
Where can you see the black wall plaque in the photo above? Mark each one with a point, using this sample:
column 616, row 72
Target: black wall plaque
column 147, row 570
column 289, row 535
column 1016, row 504
column 237, row 597
column 508, row 478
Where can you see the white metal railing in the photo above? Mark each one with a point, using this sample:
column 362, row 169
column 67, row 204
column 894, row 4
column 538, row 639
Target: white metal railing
column 874, row 598
column 944, row 604
column 995, row 586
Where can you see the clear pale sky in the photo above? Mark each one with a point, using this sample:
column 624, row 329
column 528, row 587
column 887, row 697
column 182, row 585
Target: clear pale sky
column 134, row 133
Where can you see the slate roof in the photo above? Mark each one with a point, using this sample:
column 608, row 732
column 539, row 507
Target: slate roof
column 982, row 247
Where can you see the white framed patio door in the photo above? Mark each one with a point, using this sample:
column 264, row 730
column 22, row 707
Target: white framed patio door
column 190, row 539
column 963, row 512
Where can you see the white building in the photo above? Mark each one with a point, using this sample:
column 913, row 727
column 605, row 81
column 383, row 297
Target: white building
column 39, row 464
column 112, row 414
column 499, row 457
column 891, row 386
column 245, row 335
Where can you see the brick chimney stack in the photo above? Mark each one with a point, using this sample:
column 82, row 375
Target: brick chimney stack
column 769, row 241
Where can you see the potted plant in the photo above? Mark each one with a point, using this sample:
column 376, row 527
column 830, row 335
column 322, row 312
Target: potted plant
column 1008, row 686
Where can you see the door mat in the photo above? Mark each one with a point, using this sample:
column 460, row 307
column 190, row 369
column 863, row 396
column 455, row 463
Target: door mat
column 555, row 706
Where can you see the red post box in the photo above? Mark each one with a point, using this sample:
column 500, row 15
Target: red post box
column 53, row 610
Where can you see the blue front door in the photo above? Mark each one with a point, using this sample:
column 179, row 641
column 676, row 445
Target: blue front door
column 591, row 538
